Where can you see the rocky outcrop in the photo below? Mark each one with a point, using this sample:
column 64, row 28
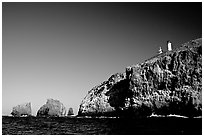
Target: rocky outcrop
column 52, row 108
column 22, row 110
column 169, row 83
column 70, row 112
column 96, row 101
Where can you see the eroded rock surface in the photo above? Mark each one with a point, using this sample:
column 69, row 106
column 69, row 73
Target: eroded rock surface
column 169, row 83
column 52, row 108
column 22, row 110
column 96, row 101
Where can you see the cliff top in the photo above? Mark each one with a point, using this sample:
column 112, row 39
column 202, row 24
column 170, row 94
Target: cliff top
column 188, row 45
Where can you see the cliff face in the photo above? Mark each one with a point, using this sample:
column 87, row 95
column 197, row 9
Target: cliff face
column 53, row 108
column 96, row 101
column 22, row 110
column 170, row 83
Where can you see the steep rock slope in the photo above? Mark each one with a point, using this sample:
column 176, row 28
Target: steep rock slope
column 22, row 110
column 96, row 101
column 169, row 83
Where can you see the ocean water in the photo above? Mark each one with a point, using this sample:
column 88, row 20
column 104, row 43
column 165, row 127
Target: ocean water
column 101, row 126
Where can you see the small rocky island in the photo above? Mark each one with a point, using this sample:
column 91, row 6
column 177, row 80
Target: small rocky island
column 52, row 108
column 70, row 112
column 167, row 84
column 22, row 110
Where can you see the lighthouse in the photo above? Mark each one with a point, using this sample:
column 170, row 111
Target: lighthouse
column 169, row 47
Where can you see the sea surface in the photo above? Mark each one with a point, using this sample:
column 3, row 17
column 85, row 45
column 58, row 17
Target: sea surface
column 101, row 126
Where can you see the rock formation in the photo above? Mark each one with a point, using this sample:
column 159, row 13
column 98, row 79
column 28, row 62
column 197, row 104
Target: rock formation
column 70, row 112
column 22, row 110
column 52, row 108
column 169, row 83
column 96, row 101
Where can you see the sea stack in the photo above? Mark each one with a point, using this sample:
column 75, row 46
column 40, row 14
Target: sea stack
column 169, row 83
column 22, row 110
column 70, row 112
column 52, row 108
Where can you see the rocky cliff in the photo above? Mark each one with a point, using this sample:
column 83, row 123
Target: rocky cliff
column 22, row 110
column 169, row 83
column 52, row 108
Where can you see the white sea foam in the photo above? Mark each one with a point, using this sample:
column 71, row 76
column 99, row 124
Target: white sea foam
column 171, row 115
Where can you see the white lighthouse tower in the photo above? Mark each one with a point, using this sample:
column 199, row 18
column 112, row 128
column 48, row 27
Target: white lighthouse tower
column 169, row 46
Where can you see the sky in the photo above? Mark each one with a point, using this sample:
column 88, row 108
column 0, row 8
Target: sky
column 63, row 50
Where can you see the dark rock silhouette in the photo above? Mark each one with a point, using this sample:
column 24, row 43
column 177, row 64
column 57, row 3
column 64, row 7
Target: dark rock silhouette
column 52, row 108
column 169, row 83
column 22, row 110
column 70, row 112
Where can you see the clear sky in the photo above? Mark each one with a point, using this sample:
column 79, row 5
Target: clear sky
column 63, row 50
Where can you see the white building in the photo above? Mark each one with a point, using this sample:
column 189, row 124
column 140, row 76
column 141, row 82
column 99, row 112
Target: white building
column 169, row 46
column 160, row 50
